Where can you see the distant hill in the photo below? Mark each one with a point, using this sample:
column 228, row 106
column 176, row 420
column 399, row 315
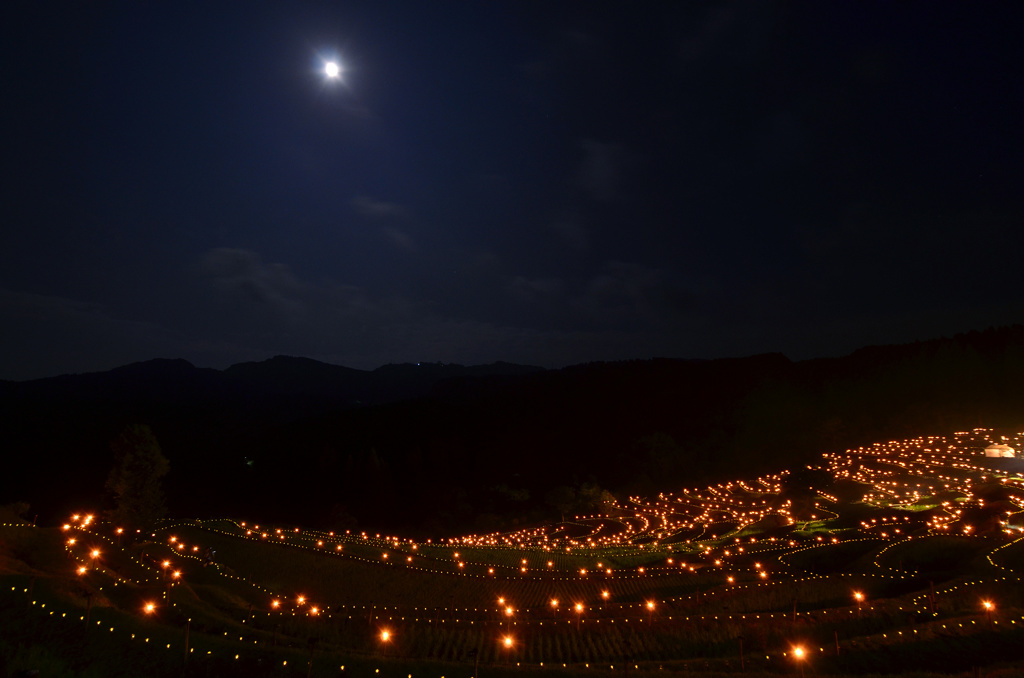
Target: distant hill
column 443, row 447
column 315, row 384
column 55, row 432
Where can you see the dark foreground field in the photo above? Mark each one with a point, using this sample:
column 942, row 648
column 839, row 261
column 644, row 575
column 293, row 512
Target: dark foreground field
column 901, row 559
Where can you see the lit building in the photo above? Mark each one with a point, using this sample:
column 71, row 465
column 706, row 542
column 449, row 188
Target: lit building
column 999, row 451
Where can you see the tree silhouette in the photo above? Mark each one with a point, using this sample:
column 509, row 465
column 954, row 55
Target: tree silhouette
column 135, row 479
column 562, row 498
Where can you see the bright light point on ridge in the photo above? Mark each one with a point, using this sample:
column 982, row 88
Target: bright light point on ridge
column 332, row 69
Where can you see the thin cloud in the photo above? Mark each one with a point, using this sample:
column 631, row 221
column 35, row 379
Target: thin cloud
column 572, row 232
column 598, row 174
column 621, row 294
column 387, row 213
column 241, row 276
column 400, row 238
column 371, row 208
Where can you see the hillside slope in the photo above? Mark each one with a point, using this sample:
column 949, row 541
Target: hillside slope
column 474, row 445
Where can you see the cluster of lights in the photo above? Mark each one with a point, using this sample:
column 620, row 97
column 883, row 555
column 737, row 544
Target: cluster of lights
column 705, row 532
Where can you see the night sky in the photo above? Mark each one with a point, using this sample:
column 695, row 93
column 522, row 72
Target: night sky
column 536, row 182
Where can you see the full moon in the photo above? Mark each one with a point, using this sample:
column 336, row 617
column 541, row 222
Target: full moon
column 332, row 69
